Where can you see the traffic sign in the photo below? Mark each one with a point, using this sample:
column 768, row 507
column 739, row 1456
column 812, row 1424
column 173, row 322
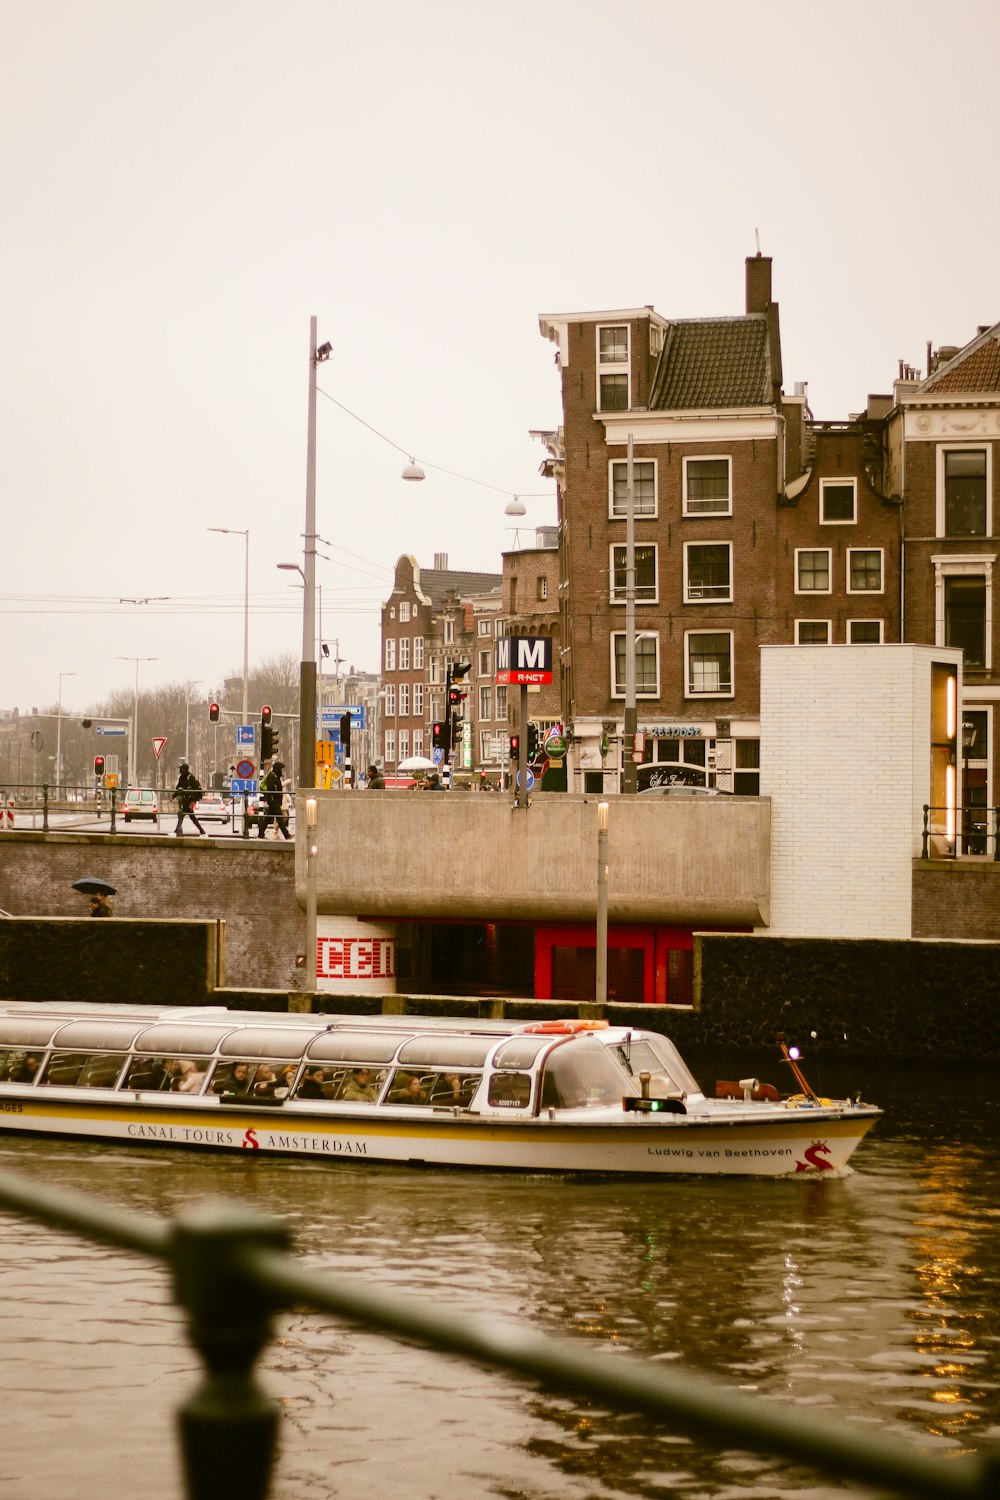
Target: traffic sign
column 113, row 729
column 245, row 734
column 437, row 755
column 238, row 787
column 245, row 769
column 159, row 740
column 530, row 782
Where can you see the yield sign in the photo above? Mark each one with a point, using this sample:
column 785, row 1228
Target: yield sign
column 159, row 740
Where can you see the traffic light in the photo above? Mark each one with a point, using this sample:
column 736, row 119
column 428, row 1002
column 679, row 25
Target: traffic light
column 456, row 685
column 439, row 735
column 532, row 739
column 213, row 713
column 265, row 715
column 266, row 742
column 345, row 731
column 98, row 765
column 515, row 746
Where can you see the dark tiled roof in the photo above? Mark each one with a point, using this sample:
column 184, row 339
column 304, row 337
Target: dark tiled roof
column 709, row 362
column 976, row 368
column 438, row 583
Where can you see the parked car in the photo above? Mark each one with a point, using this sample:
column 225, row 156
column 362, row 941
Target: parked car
column 257, row 808
column 211, row 807
column 140, row 802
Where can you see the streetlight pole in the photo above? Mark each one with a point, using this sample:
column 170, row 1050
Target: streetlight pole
column 234, row 531
column 59, row 775
column 133, row 749
column 307, row 666
column 629, row 724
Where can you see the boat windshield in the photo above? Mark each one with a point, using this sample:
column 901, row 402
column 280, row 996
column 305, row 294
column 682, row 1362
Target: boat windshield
column 657, row 1056
column 583, row 1074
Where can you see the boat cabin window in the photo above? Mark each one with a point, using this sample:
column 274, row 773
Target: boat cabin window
column 253, row 1078
column 354, row 1046
column 19, row 1064
column 352, row 1085
column 655, row 1055
column 168, row 1074
column 583, row 1075
column 84, row 1069
column 180, row 1039
column 446, row 1051
column 103, row 1035
column 510, row 1090
column 440, row 1088
column 521, row 1052
column 19, row 1031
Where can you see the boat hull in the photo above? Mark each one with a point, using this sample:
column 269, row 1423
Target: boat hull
column 777, row 1142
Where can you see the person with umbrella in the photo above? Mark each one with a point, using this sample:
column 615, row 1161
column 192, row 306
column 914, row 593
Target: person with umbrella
column 98, row 891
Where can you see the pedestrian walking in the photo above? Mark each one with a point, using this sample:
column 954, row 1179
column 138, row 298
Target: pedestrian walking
column 187, row 789
column 273, row 791
column 375, row 779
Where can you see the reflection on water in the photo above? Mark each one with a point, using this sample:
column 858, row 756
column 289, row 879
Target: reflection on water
column 873, row 1297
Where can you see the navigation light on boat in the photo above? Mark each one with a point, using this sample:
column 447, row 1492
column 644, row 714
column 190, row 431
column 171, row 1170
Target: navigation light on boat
column 632, row 1105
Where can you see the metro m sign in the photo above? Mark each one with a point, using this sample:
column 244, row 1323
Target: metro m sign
column 524, row 659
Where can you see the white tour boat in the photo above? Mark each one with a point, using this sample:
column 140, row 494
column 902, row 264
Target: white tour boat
column 552, row 1096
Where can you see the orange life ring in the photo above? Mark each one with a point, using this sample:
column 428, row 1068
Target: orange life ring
column 564, row 1028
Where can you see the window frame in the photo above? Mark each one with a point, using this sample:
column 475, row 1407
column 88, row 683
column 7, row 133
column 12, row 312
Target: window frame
column 690, row 598
column 830, row 483
column 880, row 552
column 721, row 692
column 827, row 624
column 959, row 565
column 643, row 511
column 881, row 632
column 615, row 598
column 723, row 508
column 613, row 367
column 943, row 449
column 390, row 653
column 801, row 552
column 647, row 635
column 418, row 653
column 404, row 653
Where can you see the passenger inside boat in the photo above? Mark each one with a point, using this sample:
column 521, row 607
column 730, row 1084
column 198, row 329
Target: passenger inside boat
column 407, row 1088
column 312, row 1085
column 361, row 1086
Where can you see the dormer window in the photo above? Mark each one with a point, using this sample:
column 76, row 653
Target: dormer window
column 613, row 368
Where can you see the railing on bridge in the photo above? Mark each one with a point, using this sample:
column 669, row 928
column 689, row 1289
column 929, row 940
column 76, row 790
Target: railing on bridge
column 232, row 1269
column 951, row 832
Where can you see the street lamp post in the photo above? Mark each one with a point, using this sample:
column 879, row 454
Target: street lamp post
column 59, row 769
column 133, row 749
column 629, row 721
column 234, row 531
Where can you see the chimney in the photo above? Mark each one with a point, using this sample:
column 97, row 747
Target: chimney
column 758, row 283
column 441, row 562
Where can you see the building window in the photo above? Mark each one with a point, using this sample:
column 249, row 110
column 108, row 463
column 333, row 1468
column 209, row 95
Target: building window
column 485, row 706
column 404, row 700
column 500, row 629
column 746, row 773
column 964, row 481
column 708, row 487
column 864, row 570
column 418, row 653
column 404, row 743
column 485, row 664
column 838, row 501
column 647, row 664
column 483, row 627
column 404, row 653
column 864, row 632
column 965, row 618
column 502, row 704
column 434, row 670
column 543, row 588
column 390, row 654
column 613, row 368
column 812, row 570
column 812, row 632
column 390, row 702
column 643, row 488
column 418, row 700
column 645, row 573
column 513, row 596
column 390, row 746
column 708, row 573
column 449, row 631
column 404, row 611
column 418, row 742
column 709, row 655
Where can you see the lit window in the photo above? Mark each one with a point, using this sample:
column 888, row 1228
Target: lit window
column 709, row 663
column 647, row 684
column 708, row 572
column 645, row 574
column 837, row 501
column 864, row 570
column 643, row 488
column 708, row 487
column 812, row 571
column 812, row 632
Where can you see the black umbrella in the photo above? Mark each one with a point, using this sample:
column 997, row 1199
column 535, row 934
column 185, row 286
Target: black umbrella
column 91, row 885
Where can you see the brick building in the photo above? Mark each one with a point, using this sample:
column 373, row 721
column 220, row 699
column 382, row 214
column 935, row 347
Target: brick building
column 427, row 628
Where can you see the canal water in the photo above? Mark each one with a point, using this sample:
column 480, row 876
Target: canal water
column 872, row 1299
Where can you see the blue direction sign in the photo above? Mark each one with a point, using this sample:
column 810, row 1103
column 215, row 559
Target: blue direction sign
column 244, row 734
column 531, row 780
column 111, row 729
column 238, row 786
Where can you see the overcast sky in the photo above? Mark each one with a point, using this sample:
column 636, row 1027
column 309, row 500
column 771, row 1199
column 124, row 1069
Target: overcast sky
column 184, row 184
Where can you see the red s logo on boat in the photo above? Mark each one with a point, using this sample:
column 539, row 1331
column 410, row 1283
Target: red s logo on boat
column 249, row 1139
column 814, row 1158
